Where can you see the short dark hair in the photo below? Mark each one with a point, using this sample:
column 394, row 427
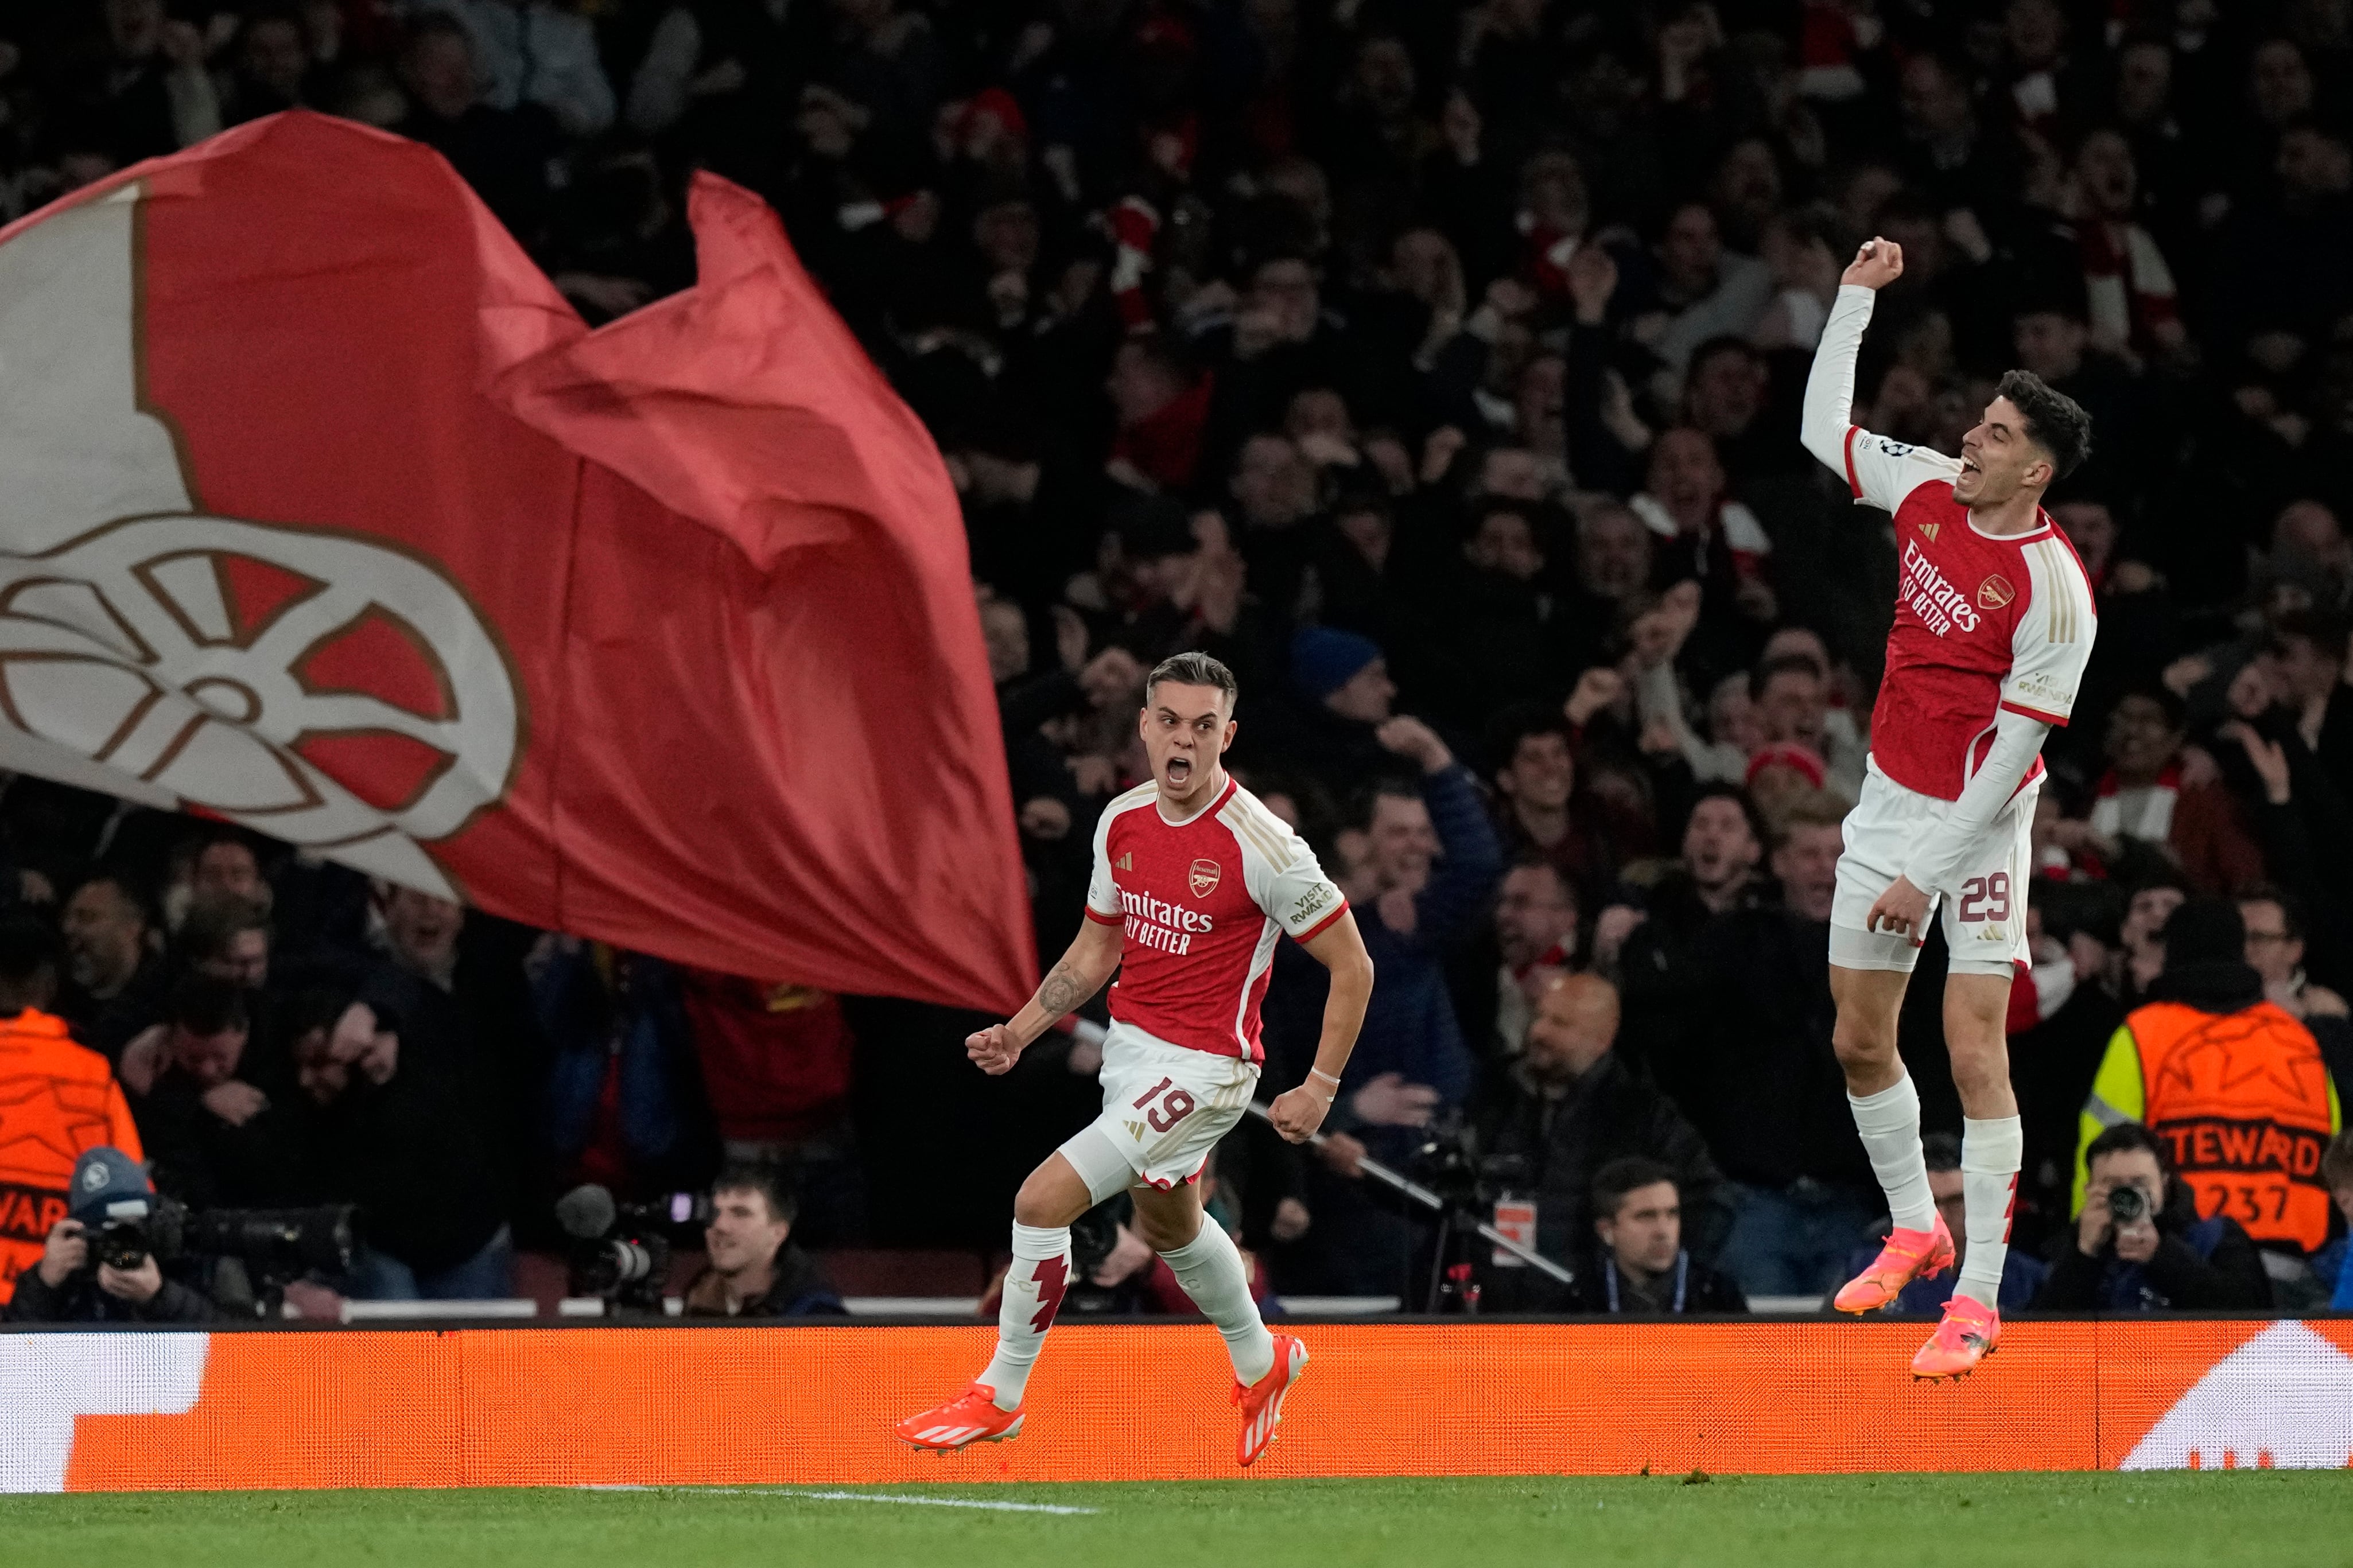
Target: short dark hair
column 1517, row 723
column 206, row 1004
column 771, row 1181
column 2291, row 908
column 1631, row 1174
column 2177, row 712
column 2123, row 1139
column 124, row 889
column 28, row 945
column 1758, row 829
column 2324, row 629
column 214, row 922
column 1785, row 664
column 1942, row 1150
column 1194, row 668
column 2055, row 421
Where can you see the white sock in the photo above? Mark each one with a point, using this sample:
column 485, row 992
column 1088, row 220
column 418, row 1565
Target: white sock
column 1034, row 1283
column 1890, row 1124
column 1991, row 1153
column 1210, row 1268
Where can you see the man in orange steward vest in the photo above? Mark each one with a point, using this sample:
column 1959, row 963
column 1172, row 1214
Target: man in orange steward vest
column 56, row 1099
column 2233, row 1085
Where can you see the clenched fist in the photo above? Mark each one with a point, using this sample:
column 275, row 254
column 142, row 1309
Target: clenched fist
column 1297, row 1113
column 1879, row 263
column 995, row 1048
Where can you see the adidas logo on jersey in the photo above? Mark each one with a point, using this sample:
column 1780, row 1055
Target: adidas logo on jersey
column 1125, row 862
column 1135, row 1130
column 1930, row 530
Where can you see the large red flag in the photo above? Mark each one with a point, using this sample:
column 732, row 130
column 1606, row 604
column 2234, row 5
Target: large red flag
column 322, row 512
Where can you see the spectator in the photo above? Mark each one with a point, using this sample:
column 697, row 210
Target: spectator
column 1541, row 812
column 114, row 974
column 1569, row 1106
column 56, row 1100
column 1535, row 942
column 2309, row 649
column 214, row 1138
column 1736, row 1028
column 225, row 866
column 414, row 1110
column 2143, row 799
column 2336, row 1171
column 1641, row 1269
column 778, row 1064
column 538, row 52
column 2140, row 1244
column 756, row 1270
column 69, row 1285
column 1428, row 866
column 228, row 938
column 2274, row 922
column 502, row 153
column 2233, row 1087
column 1723, row 840
column 2022, row 1274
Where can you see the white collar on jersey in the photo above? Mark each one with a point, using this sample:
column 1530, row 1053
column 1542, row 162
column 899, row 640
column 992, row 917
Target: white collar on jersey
column 2043, row 526
column 1224, row 793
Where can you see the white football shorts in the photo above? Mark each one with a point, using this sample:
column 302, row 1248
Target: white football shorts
column 1164, row 1107
column 1985, row 925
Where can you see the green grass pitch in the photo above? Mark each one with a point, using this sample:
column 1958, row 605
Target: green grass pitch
column 2280, row 1519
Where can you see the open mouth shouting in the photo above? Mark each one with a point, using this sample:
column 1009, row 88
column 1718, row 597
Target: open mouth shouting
column 1178, row 771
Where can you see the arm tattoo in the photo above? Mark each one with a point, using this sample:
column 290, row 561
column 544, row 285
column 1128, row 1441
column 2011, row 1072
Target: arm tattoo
column 1063, row 990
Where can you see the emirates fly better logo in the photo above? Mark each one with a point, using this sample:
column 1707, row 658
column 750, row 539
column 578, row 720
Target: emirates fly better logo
column 323, row 688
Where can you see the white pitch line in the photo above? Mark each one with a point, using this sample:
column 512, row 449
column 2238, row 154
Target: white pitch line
column 853, row 1496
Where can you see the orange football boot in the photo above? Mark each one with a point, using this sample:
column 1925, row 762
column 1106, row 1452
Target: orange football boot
column 971, row 1417
column 1261, row 1402
column 1909, row 1255
column 1968, row 1335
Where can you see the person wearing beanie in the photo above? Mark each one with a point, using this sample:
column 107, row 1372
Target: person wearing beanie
column 73, row 1283
column 1340, row 693
column 2232, row 1085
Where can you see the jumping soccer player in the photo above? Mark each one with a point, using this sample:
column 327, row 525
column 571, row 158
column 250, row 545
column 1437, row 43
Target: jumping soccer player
column 1994, row 621
column 1194, row 883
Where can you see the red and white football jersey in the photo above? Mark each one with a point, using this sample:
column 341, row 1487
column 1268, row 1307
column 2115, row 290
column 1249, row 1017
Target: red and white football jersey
column 1983, row 622
column 1202, row 903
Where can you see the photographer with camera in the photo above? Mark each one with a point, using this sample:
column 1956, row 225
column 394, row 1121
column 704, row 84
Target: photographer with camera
column 2140, row 1244
column 96, row 1266
column 755, row 1270
column 56, row 1099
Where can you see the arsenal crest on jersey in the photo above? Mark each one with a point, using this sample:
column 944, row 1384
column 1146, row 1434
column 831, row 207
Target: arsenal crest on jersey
column 1204, row 878
column 1995, row 591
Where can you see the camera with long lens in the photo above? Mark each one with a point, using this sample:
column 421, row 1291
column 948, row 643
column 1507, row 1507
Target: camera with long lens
column 622, row 1252
column 268, row 1248
column 2126, row 1204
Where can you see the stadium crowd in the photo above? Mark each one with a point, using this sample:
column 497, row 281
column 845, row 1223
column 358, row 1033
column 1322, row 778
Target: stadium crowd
column 1435, row 364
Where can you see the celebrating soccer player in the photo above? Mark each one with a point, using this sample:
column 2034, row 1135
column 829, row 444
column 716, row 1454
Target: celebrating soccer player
column 1993, row 623
column 1194, row 883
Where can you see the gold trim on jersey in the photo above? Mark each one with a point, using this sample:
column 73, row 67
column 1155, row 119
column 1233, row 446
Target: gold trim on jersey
column 2063, row 615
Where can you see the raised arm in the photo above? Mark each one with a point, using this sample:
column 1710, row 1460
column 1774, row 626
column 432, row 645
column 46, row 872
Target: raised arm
column 1876, row 470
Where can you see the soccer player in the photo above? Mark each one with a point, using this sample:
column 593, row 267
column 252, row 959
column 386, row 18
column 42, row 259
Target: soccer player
column 1194, row 883
column 1993, row 624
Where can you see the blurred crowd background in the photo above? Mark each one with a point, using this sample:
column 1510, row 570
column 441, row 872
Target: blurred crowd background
column 1435, row 364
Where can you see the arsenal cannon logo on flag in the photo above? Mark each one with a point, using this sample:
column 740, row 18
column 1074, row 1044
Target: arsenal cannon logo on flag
column 321, row 512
